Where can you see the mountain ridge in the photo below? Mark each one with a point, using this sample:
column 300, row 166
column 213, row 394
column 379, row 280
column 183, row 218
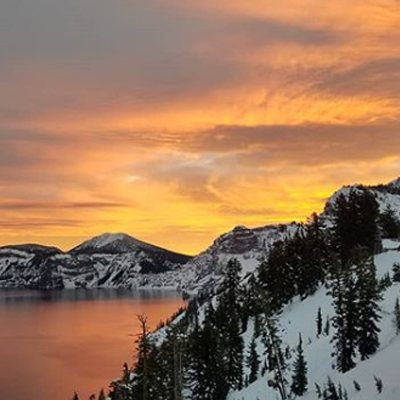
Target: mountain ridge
column 118, row 260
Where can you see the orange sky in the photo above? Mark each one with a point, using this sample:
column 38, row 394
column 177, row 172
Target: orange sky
column 175, row 121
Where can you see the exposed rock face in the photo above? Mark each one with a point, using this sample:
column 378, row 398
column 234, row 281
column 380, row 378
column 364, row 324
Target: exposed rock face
column 239, row 241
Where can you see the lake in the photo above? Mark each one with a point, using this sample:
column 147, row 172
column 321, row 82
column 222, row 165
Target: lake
column 57, row 342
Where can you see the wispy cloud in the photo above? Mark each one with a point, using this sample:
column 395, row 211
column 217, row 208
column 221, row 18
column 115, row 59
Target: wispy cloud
column 175, row 121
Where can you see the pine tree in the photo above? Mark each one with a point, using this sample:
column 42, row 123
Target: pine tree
column 102, row 396
column 396, row 272
column 355, row 224
column 207, row 379
column 331, row 392
column 276, row 277
column 75, row 397
column 273, row 345
column 299, row 379
column 253, row 361
column 228, row 324
column 168, row 376
column 397, row 316
column 143, row 382
column 257, row 326
column 327, row 326
column 368, row 293
column 378, row 384
column 390, row 224
column 316, row 257
column 319, row 322
column 345, row 319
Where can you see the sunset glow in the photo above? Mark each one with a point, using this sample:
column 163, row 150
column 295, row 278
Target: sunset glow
column 175, row 121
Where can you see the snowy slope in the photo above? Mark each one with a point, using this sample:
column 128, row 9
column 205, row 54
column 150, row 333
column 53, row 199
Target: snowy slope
column 112, row 243
column 300, row 316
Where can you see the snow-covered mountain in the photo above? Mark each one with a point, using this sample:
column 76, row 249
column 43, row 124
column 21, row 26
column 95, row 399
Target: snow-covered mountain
column 109, row 260
column 109, row 243
column 121, row 261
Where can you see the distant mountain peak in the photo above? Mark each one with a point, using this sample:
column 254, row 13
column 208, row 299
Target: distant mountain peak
column 32, row 248
column 111, row 243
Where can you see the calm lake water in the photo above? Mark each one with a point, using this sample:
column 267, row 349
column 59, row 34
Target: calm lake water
column 53, row 343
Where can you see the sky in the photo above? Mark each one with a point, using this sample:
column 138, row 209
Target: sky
column 175, row 121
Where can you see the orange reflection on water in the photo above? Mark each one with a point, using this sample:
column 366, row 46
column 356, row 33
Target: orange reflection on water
column 63, row 345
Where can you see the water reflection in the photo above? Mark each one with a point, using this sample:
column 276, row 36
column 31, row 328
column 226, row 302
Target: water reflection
column 52, row 343
column 10, row 296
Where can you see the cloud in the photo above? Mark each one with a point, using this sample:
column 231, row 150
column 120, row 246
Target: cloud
column 380, row 77
column 310, row 144
column 51, row 206
column 168, row 119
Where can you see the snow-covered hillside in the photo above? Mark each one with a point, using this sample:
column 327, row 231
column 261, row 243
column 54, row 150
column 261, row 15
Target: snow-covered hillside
column 300, row 317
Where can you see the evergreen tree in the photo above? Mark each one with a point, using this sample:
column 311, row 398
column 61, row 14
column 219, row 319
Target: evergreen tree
column 390, row 224
column 253, row 296
column 228, row 324
column 195, row 354
column 327, row 326
column 315, row 257
column 355, row 224
column 397, row 316
column 276, row 276
column 345, row 319
column 396, row 272
column 331, row 392
column 207, row 378
column 273, row 345
column 257, row 325
column 385, row 282
column 368, row 294
column 378, row 384
column 75, row 397
column 299, row 379
column 102, row 396
column 253, row 361
column 319, row 322
column 168, row 378
column 144, row 372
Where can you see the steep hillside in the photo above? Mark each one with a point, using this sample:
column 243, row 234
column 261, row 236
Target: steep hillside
column 300, row 318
